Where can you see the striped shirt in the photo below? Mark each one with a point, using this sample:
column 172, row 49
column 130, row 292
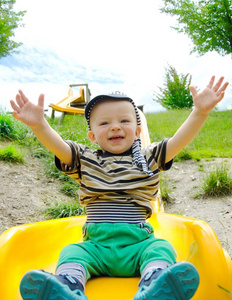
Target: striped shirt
column 111, row 212
column 104, row 177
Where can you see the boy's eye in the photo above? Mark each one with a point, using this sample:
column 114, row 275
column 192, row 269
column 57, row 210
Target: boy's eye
column 124, row 121
column 103, row 123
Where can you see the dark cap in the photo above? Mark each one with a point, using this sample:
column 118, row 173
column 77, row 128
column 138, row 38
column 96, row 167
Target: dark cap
column 114, row 96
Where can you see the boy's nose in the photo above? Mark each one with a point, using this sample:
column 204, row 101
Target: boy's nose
column 115, row 126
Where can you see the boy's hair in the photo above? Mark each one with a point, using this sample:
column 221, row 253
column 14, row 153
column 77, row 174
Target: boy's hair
column 116, row 96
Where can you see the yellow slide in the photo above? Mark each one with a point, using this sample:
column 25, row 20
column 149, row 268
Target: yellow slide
column 37, row 246
column 64, row 105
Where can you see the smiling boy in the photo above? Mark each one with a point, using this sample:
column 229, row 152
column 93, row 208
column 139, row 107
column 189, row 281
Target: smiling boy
column 117, row 183
column 114, row 129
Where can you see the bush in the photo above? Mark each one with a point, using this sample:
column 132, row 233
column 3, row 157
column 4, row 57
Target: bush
column 176, row 93
column 7, row 130
column 218, row 182
column 11, row 154
column 11, row 129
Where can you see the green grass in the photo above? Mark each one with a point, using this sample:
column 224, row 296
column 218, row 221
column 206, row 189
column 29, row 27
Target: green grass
column 214, row 139
column 73, row 128
column 11, row 154
column 165, row 189
column 63, row 209
column 218, row 182
column 69, row 188
column 227, row 291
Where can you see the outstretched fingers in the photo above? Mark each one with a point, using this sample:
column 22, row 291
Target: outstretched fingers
column 223, row 88
column 26, row 111
column 211, row 82
column 193, row 90
column 217, row 87
column 19, row 102
column 16, row 109
column 23, row 97
column 14, row 106
column 41, row 100
column 218, row 84
column 221, row 92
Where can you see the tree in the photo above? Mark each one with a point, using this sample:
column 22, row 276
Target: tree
column 208, row 23
column 176, row 93
column 9, row 21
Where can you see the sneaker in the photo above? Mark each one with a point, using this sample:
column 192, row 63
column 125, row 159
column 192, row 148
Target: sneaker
column 40, row 285
column 177, row 282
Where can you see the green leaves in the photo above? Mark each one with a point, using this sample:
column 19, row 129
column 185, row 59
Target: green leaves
column 9, row 21
column 175, row 94
column 208, row 23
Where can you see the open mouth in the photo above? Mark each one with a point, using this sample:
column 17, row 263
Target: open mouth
column 116, row 138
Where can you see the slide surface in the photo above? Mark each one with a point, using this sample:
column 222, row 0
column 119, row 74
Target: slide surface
column 37, row 246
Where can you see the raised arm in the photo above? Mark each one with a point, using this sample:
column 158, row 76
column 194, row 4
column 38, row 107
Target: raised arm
column 204, row 102
column 33, row 116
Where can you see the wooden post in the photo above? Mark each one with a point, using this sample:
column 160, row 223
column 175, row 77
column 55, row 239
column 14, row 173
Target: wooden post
column 53, row 114
column 62, row 118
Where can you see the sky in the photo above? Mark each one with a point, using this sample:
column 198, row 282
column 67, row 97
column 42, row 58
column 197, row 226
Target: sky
column 122, row 45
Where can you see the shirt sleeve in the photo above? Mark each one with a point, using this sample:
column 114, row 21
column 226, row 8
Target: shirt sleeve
column 73, row 170
column 156, row 156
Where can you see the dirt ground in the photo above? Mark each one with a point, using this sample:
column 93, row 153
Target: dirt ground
column 25, row 190
column 186, row 180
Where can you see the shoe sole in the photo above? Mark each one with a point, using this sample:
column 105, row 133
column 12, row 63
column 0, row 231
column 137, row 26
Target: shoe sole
column 177, row 282
column 39, row 285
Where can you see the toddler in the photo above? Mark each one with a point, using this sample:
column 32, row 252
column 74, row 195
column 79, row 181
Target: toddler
column 117, row 183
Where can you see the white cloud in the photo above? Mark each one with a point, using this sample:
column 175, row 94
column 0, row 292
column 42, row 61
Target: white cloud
column 111, row 45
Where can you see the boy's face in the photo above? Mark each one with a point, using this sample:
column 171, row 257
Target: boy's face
column 114, row 126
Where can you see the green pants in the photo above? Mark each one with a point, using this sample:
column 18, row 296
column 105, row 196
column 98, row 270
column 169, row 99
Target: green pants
column 117, row 249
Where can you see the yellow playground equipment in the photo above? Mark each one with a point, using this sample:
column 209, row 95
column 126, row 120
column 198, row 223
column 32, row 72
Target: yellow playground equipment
column 37, row 246
column 71, row 104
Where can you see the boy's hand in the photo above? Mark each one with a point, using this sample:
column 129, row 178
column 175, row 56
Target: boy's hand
column 28, row 113
column 33, row 116
column 206, row 100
